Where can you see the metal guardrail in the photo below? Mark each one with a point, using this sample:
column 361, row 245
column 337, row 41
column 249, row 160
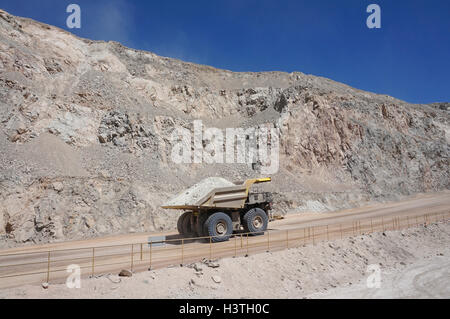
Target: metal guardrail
column 52, row 265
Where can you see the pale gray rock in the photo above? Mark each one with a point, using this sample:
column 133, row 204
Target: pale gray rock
column 216, row 279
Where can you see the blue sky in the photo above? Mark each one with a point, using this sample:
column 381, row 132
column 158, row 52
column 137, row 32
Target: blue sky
column 407, row 58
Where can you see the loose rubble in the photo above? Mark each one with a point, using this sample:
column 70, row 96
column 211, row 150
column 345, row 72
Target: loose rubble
column 412, row 266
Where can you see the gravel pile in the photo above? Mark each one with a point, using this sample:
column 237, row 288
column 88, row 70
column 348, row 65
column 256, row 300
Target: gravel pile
column 199, row 190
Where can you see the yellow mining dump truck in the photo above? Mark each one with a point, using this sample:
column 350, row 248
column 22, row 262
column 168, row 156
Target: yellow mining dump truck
column 224, row 210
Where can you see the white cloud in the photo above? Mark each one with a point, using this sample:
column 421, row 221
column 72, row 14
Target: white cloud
column 110, row 20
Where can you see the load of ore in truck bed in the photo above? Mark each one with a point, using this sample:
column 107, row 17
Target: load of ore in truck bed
column 194, row 193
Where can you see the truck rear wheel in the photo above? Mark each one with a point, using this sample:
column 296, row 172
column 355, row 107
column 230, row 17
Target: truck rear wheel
column 219, row 226
column 184, row 224
column 255, row 221
column 200, row 225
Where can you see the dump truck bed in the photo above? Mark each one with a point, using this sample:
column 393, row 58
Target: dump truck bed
column 232, row 197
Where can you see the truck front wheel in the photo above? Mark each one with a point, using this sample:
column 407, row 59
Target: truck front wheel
column 219, row 226
column 255, row 221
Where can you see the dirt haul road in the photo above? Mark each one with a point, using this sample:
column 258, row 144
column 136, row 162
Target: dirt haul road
column 37, row 264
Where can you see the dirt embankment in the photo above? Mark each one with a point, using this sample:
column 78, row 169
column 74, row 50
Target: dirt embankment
column 413, row 263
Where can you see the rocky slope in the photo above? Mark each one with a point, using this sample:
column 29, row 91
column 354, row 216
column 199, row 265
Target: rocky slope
column 86, row 126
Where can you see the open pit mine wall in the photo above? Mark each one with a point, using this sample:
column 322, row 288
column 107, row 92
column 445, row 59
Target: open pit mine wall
column 85, row 136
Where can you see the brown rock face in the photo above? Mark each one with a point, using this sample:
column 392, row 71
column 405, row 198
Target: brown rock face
column 86, row 149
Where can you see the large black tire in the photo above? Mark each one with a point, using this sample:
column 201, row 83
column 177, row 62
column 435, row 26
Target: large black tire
column 219, row 226
column 255, row 221
column 200, row 225
column 180, row 223
column 184, row 224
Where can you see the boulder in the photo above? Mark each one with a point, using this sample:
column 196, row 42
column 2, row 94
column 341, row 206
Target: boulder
column 216, row 279
column 58, row 186
column 125, row 273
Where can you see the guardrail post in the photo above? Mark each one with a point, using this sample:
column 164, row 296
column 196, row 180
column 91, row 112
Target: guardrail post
column 313, row 235
column 182, row 251
column 132, row 256
column 210, row 248
column 48, row 267
column 287, row 238
column 371, row 225
column 242, row 244
column 93, row 261
column 151, row 245
column 382, row 223
column 328, row 236
column 141, row 252
column 247, row 243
